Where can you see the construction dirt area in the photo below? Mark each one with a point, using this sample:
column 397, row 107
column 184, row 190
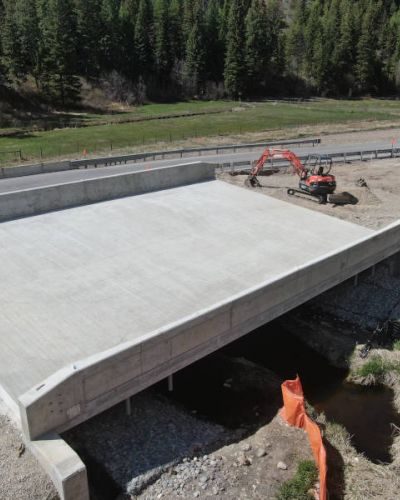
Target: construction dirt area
column 377, row 201
column 218, row 434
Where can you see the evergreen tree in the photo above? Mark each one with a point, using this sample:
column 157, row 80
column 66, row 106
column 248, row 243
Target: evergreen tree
column 395, row 58
column 235, row 64
column 89, row 29
column 387, row 47
column 109, row 41
column 188, row 18
column 128, row 13
column 224, row 15
column 143, row 39
column 162, row 41
column 194, row 54
column 258, row 44
column 314, row 44
column 366, row 66
column 12, row 58
column 276, row 26
column 176, row 30
column 2, row 70
column 295, row 37
column 28, row 33
column 345, row 49
column 214, row 46
column 329, row 46
column 57, row 51
column 331, row 28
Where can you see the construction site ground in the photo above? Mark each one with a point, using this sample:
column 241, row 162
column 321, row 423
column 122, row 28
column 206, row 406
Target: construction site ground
column 378, row 202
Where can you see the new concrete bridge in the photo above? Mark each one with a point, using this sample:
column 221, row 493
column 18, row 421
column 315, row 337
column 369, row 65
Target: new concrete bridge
column 149, row 272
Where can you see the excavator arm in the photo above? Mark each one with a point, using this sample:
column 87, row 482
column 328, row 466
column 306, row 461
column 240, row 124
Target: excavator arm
column 276, row 153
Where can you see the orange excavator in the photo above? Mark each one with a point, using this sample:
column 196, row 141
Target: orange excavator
column 315, row 178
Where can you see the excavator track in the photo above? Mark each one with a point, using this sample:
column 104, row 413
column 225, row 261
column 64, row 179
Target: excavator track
column 320, row 199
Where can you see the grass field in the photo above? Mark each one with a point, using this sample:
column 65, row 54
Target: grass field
column 232, row 120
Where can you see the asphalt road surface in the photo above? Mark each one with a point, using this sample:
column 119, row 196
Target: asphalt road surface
column 42, row 180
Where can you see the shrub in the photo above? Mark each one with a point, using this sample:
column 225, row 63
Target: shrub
column 396, row 345
column 378, row 367
column 298, row 487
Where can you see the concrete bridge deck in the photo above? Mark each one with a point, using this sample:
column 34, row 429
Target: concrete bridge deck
column 81, row 281
column 103, row 300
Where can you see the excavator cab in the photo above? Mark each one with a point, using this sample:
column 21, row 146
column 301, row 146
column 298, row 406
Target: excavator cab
column 318, row 164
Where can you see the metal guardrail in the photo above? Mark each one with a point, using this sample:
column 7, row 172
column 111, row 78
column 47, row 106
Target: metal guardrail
column 113, row 160
column 339, row 157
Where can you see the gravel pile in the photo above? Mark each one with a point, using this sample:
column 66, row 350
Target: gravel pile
column 202, row 476
column 133, row 451
column 251, row 467
column 374, row 300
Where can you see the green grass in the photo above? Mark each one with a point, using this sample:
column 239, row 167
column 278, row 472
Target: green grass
column 378, row 367
column 262, row 117
column 396, row 345
column 298, row 487
column 153, row 110
column 145, row 112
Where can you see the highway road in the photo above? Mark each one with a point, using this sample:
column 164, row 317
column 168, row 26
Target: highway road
column 49, row 179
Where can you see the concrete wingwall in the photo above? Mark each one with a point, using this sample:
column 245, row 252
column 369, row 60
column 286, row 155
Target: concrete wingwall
column 84, row 389
column 44, row 199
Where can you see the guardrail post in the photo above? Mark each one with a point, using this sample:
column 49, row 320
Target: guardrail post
column 394, row 265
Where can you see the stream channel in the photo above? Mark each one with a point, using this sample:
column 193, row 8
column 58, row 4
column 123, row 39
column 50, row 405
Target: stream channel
column 207, row 388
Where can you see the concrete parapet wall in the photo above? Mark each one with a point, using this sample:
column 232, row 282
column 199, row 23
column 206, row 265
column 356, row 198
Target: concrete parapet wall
column 92, row 385
column 38, row 200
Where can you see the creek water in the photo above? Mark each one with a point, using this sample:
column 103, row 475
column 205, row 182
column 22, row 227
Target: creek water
column 366, row 413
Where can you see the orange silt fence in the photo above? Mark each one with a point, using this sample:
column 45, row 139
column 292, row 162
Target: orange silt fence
column 294, row 413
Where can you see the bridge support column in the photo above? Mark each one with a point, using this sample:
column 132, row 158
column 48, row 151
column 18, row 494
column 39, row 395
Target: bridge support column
column 355, row 280
column 128, row 407
column 394, row 265
column 170, row 383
